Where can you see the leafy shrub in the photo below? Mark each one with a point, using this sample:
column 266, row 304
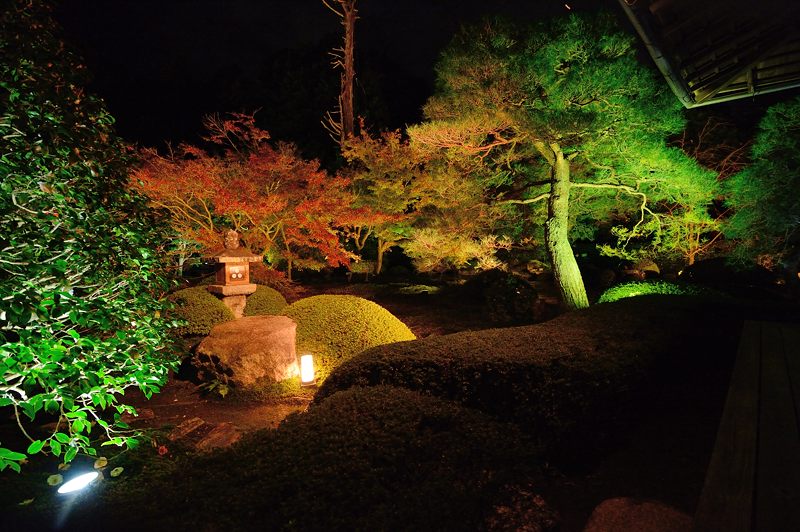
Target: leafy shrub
column 264, row 301
column 260, row 273
column 334, row 328
column 646, row 288
column 366, row 459
column 509, row 298
column 553, row 378
column 81, row 272
column 199, row 310
column 418, row 289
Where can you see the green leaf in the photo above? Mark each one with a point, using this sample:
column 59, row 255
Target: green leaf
column 55, row 447
column 70, row 454
column 8, row 454
column 35, row 447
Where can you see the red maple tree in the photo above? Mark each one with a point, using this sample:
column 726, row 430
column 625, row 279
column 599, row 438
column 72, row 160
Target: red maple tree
column 283, row 206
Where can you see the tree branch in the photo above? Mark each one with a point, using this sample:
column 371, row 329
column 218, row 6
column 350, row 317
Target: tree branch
column 528, row 201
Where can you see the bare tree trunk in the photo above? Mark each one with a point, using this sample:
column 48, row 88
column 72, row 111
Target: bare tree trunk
column 556, row 229
column 383, row 247
column 346, row 95
column 342, row 126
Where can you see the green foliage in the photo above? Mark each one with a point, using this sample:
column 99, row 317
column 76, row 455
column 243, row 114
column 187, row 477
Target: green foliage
column 334, row 328
column 371, row 459
column 264, row 301
column 764, row 195
column 80, row 273
column 646, row 288
column 199, row 311
column 437, row 250
column 511, row 102
column 576, row 371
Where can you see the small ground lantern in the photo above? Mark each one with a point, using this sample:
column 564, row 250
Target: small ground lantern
column 233, row 273
column 307, row 370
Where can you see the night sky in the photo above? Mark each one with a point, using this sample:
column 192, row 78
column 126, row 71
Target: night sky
column 162, row 65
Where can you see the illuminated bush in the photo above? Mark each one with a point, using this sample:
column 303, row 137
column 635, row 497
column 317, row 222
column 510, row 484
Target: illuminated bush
column 264, row 301
column 81, row 268
column 645, row 288
column 199, row 310
column 334, row 328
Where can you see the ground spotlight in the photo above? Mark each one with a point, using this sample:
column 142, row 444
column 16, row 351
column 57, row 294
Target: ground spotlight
column 78, row 483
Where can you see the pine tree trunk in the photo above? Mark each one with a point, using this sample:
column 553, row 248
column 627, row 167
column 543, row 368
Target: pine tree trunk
column 565, row 267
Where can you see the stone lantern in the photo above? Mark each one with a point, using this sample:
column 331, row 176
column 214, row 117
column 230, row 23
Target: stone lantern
column 233, row 274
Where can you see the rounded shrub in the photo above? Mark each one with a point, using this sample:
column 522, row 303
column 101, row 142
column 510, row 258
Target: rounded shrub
column 380, row 458
column 264, row 301
column 584, row 372
column 334, row 328
column 647, row 288
column 200, row 311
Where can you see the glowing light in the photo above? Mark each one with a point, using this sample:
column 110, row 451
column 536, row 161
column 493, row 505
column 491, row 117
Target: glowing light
column 306, row 370
column 79, row 482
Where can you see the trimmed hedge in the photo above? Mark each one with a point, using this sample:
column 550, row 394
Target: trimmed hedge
column 646, row 288
column 579, row 370
column 366, row 459
column 200, row 311
column 264, row 301
column 334, row 328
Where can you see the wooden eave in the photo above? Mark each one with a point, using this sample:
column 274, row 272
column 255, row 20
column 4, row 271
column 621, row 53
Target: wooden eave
column 712, row 51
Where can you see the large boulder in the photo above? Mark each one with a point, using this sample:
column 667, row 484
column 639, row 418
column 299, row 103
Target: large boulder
column 245, row 350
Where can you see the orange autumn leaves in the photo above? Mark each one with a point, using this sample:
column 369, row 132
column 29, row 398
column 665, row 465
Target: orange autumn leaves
column 284, row 207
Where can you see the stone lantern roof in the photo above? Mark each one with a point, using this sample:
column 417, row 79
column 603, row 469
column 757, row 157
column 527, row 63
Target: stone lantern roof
column 236, row 255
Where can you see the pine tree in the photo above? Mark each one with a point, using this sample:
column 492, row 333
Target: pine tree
column 561, row 114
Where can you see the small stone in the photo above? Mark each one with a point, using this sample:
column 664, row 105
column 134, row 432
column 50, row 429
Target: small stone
column 223, row 435
column 625, row 514
column 185, row 428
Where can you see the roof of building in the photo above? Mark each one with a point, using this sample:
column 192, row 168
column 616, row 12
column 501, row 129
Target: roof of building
column 712, row 51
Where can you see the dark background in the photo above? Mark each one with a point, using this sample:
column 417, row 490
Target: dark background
column 162, row 65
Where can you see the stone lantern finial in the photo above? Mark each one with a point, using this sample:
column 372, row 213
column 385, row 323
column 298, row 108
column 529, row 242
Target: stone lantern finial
column 231, row 239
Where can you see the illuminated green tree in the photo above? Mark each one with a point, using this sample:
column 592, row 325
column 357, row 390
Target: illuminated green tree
column 384, row 173
column 81, row 272
column 765, row 195
column 562, row 115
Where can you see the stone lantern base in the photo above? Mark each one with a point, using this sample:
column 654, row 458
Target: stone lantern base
column 233, row 296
